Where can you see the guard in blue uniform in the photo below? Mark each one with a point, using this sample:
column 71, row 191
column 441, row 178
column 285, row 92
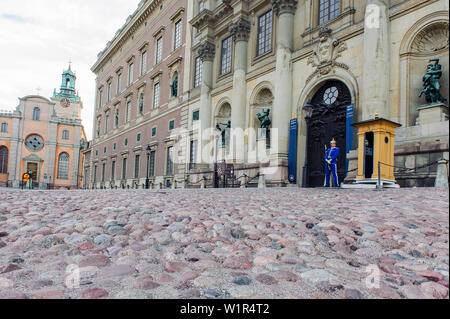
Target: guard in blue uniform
column 331, row 156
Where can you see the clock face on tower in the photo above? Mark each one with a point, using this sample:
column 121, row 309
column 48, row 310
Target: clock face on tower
column 65, row 102
column 34, row 143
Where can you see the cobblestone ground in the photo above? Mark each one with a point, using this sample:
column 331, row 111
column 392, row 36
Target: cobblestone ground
column 272, row 243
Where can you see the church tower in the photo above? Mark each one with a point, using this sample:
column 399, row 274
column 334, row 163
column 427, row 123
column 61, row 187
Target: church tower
column 68, row 102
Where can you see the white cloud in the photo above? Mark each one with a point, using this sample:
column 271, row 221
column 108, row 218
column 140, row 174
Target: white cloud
column 39, row 36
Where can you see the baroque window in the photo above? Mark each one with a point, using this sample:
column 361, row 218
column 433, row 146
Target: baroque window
column 225, row 66
column 264, row 43
column 169, row 167
column 128, row 112
column 130, row 73
column 141, row 103
column 177, row 35
column 193, row 154
column 143, row 62
column 3, row 160
column 36, row 114
column 159, row 50
column 113, row 170
column 63, row 166
column 156, row 92
column 136, row 166
column 198, row 72
column 328, row 10
column 152, row 164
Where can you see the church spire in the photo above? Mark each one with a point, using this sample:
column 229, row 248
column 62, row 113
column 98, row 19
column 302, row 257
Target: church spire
column 67, row 88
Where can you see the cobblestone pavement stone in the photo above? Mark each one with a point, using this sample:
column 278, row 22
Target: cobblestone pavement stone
column 234, row 243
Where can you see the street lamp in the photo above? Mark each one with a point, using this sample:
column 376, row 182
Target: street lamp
column 307, row 112
column 147, row 181
column 217, row 135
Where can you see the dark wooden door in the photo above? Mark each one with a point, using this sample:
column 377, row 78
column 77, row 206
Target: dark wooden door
column 328, row 121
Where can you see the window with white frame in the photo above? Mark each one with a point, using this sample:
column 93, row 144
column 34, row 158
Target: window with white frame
column 36, row 114
column 141, row 103
column 119, row 82
column 193, row 154
column 4, row 128
column 109, row 92
column 328, row 10
column 130, row 73
column 116, row 118
column 198, row 72
column 113, row 170
column 159, row 49
column 100, row 96
column 264, row 40
column 106, row 123
column 143, row 62
column 65, row 135
column 225, row 66
column 128, row 112
column 177, row 35
column 124, row 168
column 137, row 161
column 169, row 165
column 103, row 172
column 156, row 97
column 151, row 172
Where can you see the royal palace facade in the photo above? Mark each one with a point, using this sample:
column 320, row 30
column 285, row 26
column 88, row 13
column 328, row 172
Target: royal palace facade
column 178, row 73
column 44, row 138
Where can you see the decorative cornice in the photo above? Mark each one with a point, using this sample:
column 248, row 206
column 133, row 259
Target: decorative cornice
column 284, row 6
column 175, row 61
column 207, row 51
column 240, row 30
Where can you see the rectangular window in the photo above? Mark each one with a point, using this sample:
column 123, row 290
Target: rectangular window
column 130, row 73
column 195, row 116
column 124, row 168
column 198, row 72
column 126, row 142
column 169, row 167
column 156, row 91
column 151, row 173
column 328, row 10
column 109, row 92
column 113, row 170
column 137, row 162
column 159, row 49
column 138, row 138
column 104, row 150
column 103, row 172
column 100, row 95
column 95, row 174
column 4, row 127
column 119, row 80
column 226, row 56
column 128, row 112
column 106, row 123
column 143, row 62
column 114, row 146
column 177, row 35
column 153, row 131
column 171, row 125
column 193, row 155
column 264, row 33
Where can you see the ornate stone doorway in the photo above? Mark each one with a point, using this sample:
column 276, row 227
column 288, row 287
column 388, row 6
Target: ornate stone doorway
column 328, row 121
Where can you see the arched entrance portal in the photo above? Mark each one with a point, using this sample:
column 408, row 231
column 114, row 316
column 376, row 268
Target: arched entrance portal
column 328, row 121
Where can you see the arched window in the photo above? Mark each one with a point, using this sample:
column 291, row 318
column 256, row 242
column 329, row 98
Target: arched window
column 67, row 83
column 3, row 160
column 36, row 114
column 65, row 135
column 63, row 166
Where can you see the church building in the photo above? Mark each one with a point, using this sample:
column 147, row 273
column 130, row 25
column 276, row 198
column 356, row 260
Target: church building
column 44, row 136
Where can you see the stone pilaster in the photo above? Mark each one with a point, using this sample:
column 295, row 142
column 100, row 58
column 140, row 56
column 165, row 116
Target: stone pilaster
column 376, row 61
column 14, row 148
column 240, row 31
column 206, row 52
column 50, row 157
column 75, row 172
column 285, row 10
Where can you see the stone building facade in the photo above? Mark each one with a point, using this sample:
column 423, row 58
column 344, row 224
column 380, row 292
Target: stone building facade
column 350, row 60
column 44, row 136
column 141, row 88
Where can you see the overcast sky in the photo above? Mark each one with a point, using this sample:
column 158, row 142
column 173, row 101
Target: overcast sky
column 38, row 37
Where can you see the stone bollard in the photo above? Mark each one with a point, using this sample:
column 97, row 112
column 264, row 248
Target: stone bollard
column 244, row 182
column 203, row 183
column 442, row 174
column 262, row 181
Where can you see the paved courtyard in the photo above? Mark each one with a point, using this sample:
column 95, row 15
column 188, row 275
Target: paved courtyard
column 271, row 243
